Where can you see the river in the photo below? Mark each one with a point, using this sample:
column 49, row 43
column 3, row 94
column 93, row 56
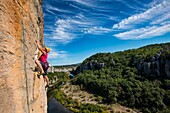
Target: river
column 55, row 107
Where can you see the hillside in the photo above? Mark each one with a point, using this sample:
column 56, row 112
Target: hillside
column 137, row 78
column 76, row 99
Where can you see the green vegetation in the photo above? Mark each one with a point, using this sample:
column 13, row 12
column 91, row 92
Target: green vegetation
column 127, row 56
column 60, row 75
column 73, row 105
column 57, row 79
column 121, row 82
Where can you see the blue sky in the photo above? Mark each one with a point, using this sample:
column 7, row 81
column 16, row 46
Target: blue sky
column 77, row 29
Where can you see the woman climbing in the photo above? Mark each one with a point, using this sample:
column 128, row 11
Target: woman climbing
column 42, row 61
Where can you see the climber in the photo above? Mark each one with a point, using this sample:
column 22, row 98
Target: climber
column 42, row 61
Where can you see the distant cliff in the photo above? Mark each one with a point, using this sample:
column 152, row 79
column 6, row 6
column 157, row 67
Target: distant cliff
column 157, row 65
column 63, row 68
column 93, row 64
column 21, row 23
column 136, row 78
column 151, row 60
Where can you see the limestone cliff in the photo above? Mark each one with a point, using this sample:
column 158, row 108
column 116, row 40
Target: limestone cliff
column 93, row 64
column 21, row 23
column 158, row 65
column 155, row 64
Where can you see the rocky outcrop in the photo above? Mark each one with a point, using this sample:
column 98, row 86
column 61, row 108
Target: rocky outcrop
column 21, row 23
column 51, row 69
column 167, row 67
column 93, row 64
column 156, row 66
column 67, row 70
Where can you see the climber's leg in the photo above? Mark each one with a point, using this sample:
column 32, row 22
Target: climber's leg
column 39, row 65
column 46, row 80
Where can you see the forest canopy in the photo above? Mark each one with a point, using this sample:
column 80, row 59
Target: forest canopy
column 121, row 81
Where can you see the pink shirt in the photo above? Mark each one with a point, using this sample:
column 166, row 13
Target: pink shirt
column 43, row 57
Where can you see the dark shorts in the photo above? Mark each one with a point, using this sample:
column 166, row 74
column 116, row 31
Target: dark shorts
column 45, row 70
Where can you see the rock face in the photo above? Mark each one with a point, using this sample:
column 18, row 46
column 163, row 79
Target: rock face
column 21, row 23
column 93, row 64
column 156, row 66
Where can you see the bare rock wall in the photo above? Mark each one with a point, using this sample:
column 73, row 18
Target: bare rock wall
column 21, row 23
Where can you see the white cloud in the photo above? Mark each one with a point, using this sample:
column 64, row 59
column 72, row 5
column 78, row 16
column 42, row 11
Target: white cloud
column 142, row 33
column 82, row 9
column 138, row 2
column 148, row 15
column 62, row 32
column 154, row 2
column 165, row 23
column 86, row 3
column 66, row 30
column 53, row 55
column 49, row 11
column 136, row 8
column 96, row 30
column 156, row 18
column 58, row 54
column 51, row 8
column 134, row 27
column 162, row 19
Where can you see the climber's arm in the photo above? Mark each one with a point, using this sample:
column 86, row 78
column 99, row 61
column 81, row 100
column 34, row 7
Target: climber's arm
column 40, row 47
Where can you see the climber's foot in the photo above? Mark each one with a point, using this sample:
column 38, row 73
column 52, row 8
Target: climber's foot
column 42, row 72
column 47, row 86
